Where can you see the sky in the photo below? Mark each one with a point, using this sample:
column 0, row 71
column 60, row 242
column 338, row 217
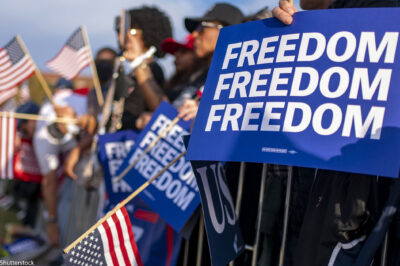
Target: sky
column 45, row 25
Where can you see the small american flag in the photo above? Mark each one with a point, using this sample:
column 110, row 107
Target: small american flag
column 15, row 67
column 8, row 131
column 73, row 57
column 112, row 243
column 8, row 94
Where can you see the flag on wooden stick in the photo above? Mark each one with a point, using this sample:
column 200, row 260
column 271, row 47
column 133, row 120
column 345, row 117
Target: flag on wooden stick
column 15, row 67
column 111, row 243
column 73, row 57
column 8, row 131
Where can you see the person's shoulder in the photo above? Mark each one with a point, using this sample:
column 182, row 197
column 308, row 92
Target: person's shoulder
column 157, row 71
column 155, row 67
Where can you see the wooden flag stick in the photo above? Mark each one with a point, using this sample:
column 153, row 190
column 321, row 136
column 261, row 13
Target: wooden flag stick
column 123, row 203
column 42, row 81
column 38, row 117
column 151, row 145
column 121, row 35
column 148, row 148
column 96, row 82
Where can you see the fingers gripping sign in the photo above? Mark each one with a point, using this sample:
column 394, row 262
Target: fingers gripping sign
column 284, row 12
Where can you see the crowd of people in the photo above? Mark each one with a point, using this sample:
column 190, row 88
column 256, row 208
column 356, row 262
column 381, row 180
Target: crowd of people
column 328, row 207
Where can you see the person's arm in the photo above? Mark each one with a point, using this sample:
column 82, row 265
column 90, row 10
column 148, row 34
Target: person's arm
column 143, row 120
column 88, row 124
column 151, row 91
column 50, row 192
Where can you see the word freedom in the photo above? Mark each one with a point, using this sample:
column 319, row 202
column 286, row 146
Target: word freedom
column 299, row 82
column 181, row 191
column 116, row 152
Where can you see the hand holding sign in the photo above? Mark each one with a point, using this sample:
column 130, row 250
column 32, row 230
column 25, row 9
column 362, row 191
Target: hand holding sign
column 303, row 94
column 188, row 110
column 284, row 12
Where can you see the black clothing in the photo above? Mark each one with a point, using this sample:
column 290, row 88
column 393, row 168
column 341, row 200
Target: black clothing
column 364, row 3
column 376, row 237
column 196, row 80
column 342, row 207
column 135, row 104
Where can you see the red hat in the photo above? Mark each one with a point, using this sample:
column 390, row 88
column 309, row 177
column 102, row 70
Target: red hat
column 170, row 45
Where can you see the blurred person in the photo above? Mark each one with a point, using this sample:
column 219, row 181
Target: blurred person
column 190, row 74
column 325, row 230
column 188, row 67
column 26, row 169
column 149, row 27
column 104, row 60
column 205, row 31
column 51, row 141
column 27, row 127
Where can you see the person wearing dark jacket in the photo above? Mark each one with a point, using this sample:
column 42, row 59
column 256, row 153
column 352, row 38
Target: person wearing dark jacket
column 149, row 27
column 343, row 207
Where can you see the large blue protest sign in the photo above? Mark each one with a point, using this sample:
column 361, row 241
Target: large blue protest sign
column 113, row 148
column 224, row 237
column 174, row 195
column 323, row 92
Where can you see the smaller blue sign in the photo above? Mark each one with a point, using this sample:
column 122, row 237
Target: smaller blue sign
column 174, row 195
column 113, row 148
column 224, row 236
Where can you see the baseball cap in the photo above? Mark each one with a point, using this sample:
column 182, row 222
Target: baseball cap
column 26, row 108
column 63, row 83
column 170, row 45
column 222, row 12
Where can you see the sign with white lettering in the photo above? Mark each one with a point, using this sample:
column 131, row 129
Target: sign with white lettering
column 321, row 93
column 174, row 195
column 156, row 240
column 222, row 226
column 113, row 148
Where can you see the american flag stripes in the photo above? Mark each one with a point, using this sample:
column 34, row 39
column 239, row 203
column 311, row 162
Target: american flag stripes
column 111, row 243
column 74, row 56
column 15, row 67
column 8, row 131
column 7, row 94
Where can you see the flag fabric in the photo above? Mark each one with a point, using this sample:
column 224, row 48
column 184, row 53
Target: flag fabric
column 111, row 243
column 8, row 94
column 73, row 57
column 15, row 67
column 8, row 131
column 26, row 166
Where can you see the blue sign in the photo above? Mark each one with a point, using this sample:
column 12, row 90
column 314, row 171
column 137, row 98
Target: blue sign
column 174, row 195
column 113, row 149
column 320, row 93
column 224, row 237
column 157, row 242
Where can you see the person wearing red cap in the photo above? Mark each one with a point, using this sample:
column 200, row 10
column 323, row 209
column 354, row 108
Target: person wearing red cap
column 185, row 59
column 190, row 74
